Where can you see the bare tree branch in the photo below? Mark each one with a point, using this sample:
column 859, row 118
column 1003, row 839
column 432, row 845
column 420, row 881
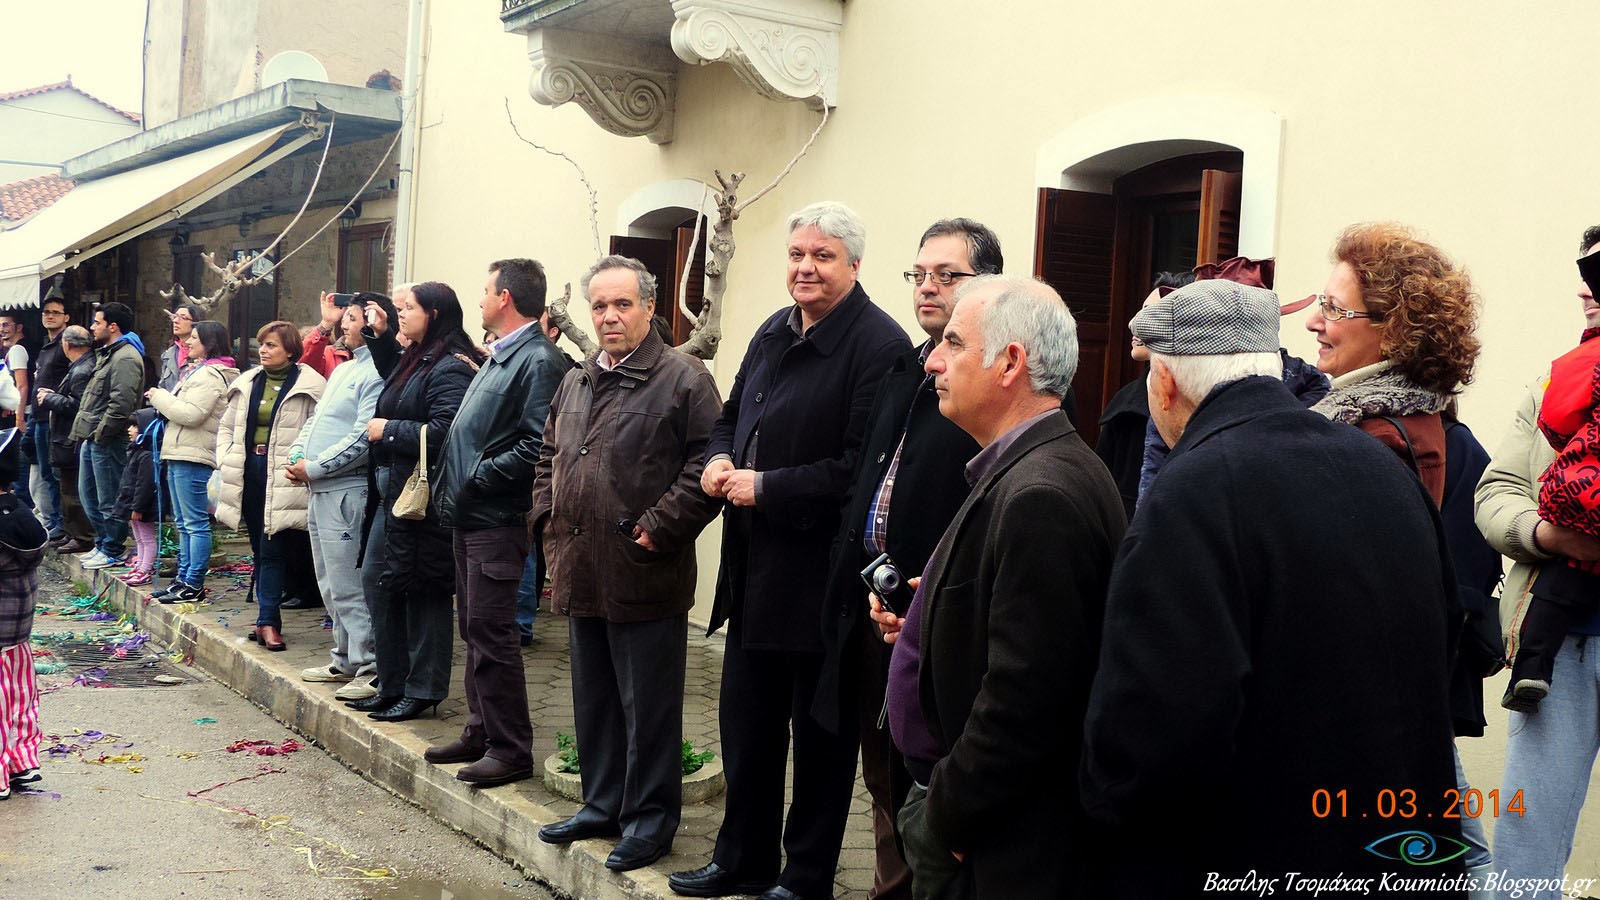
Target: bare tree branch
column 594, row 196
column 569, row 328
column 781, row 175
column 694, row 241
column 707, row 333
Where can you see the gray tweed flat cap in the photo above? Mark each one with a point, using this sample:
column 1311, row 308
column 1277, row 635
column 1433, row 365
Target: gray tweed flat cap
column 1210, row 318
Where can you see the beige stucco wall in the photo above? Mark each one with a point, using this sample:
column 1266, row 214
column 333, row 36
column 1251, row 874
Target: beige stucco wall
column 1464, row 119
column 229, row 41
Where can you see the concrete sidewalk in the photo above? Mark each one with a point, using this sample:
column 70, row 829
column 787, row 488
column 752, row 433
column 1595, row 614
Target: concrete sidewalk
column 211, row 636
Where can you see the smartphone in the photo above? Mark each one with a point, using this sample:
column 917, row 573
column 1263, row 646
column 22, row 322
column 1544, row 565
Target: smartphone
column 343, row 300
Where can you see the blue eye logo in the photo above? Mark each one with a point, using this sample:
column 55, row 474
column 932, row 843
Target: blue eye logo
column 1418, row 848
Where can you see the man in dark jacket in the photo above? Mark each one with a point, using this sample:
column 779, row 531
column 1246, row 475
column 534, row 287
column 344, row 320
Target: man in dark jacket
column 990, row 674
column 487, row 464
column 909, row 485
column 114, row 391
column 805, row 385
column 60, row 405
column 1289, row 687
column 620, row 526
column 52, row 367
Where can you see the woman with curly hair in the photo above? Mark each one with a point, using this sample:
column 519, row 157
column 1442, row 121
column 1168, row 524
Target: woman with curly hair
column 1395, row 330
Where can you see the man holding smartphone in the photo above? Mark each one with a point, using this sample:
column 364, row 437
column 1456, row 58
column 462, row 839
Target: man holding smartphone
column 911, row 444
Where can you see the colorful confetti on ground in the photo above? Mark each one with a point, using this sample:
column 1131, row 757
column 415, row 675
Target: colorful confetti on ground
column 265, row 748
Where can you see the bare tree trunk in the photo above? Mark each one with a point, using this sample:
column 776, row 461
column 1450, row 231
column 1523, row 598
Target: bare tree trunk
column 569, row 328
column 707, row 333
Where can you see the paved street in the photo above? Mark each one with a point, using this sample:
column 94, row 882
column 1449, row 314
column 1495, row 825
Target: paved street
column 156, row 791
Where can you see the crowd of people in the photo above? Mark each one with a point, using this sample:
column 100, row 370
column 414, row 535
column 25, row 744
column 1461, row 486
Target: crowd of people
column 1268, row 600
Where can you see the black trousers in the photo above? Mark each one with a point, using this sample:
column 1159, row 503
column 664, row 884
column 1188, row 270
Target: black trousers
column 1562, row 598
column 627, row 701
column 765, row 693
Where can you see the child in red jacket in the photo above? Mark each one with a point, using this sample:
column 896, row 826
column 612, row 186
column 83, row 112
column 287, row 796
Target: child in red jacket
column 1564, row 594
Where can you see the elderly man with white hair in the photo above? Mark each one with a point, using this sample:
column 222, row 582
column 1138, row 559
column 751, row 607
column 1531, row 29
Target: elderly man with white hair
column 782, row 455
column 1278, row 637
column 990, row 675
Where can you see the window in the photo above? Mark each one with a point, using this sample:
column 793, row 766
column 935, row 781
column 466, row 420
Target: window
column 364, row 259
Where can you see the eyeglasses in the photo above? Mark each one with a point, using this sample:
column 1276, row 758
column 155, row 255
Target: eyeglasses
column 938, row 277
column 1331, row 310
column 53, row 312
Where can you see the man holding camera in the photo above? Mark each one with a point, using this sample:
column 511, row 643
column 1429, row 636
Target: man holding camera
column 911, row 444
column 991, row 667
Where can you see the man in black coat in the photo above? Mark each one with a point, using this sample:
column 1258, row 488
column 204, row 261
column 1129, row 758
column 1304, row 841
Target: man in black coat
column 1289, row 688
column 782, row 455
column 908, row 487
column 988, row 679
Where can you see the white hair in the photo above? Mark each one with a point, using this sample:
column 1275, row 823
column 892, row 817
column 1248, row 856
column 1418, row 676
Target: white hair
column 1028, row 312
column 1197, row 376
column 835, row 220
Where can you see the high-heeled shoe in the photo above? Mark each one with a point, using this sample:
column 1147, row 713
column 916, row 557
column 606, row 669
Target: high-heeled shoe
column 408, row 708
column 270, row 637
column 377, row 703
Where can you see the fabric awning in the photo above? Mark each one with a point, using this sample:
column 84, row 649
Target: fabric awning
column 101, row 214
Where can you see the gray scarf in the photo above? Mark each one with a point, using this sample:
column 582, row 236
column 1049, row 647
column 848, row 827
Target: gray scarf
column 1387, row 393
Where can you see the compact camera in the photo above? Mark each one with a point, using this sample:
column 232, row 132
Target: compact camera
column 883, row 579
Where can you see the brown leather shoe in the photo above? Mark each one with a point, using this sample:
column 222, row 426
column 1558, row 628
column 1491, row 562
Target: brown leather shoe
column 270, row 637
column 457, row 751
column 488, row 772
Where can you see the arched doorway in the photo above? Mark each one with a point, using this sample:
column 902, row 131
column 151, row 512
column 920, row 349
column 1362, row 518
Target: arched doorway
column 1159, row 185
column 656, row 225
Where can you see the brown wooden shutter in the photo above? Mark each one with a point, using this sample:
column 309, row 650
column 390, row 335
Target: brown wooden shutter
column 695, row 258
column 1073, row 249
column 1219, row 215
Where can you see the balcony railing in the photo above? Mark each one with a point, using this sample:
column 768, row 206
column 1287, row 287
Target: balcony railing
column 508, row 6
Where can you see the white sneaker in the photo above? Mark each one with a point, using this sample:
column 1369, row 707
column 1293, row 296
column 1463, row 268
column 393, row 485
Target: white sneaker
column 102, row 562
column 359, row 689
column 89, row 554
column 323, row 673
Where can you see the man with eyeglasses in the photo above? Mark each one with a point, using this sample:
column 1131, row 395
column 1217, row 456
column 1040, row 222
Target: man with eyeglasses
column 911, row 445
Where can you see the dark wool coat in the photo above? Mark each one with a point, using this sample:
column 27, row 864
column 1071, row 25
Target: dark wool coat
column 626, row 445
column 1121, row 442
column 1009, row 634
column 419, row 557
column 1250, row 661
column 808, row 398
column 63, row 409
column 929, row 487
column 22, row 546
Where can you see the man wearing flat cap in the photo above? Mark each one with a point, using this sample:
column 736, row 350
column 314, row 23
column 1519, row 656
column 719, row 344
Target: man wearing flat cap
column 1278, row 634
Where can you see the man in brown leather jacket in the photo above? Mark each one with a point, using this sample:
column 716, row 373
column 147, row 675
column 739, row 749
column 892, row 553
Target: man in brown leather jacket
column 617, row 496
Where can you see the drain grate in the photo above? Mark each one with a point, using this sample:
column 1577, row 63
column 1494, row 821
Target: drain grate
column 99, row 664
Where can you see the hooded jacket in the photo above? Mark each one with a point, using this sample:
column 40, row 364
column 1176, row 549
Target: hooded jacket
column 114, row 391
column 22, row 547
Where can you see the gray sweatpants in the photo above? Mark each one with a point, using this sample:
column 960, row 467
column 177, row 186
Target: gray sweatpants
column 335, row 526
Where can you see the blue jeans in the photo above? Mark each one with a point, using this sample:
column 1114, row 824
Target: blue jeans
column 99, row 476
column 267, row 550
column 39, row 433
column 528, row 590
column 1548, row 758
column 186, row 485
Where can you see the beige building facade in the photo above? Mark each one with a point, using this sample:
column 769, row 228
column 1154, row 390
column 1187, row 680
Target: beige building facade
column 1466, row 120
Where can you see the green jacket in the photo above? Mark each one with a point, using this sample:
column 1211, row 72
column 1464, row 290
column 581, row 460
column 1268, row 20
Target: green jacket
column 114, row 392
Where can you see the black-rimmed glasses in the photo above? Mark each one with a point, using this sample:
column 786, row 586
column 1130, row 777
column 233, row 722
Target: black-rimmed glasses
column 916, row 277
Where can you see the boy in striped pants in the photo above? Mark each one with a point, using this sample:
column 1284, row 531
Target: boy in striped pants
column 22, row 545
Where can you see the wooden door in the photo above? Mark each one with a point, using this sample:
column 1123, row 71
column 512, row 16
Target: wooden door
column 1219, row 215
